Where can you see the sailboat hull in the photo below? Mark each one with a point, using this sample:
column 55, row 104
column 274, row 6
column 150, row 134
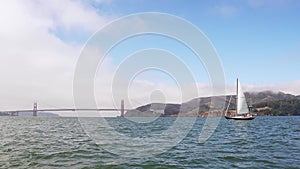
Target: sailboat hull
column 240, row 117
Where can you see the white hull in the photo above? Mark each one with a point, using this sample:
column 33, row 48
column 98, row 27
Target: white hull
column 240, row 117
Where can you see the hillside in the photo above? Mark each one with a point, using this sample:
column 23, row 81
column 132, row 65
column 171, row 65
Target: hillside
column 264, row 103
column 290, row 107
column 258, row 97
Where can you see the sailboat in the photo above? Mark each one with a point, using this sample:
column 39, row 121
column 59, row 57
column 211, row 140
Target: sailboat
column 242, row 109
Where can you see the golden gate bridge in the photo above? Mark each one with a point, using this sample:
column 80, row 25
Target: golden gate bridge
column 35, row 110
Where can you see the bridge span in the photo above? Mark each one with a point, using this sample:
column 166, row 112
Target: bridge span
column 35, row 110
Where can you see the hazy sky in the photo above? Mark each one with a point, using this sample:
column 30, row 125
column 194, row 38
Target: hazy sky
column 258, row 41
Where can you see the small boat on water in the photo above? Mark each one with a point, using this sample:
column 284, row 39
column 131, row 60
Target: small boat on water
column 243, row 111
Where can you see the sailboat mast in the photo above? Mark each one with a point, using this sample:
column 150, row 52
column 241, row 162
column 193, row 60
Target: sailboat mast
column 237, row 94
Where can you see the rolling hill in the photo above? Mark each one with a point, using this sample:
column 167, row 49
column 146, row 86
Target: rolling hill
column 265, row 103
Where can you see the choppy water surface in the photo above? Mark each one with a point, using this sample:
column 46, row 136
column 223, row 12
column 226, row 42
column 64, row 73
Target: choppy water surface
column 265, row 142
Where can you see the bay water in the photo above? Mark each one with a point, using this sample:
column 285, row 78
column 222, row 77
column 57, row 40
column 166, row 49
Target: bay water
column 61, row 142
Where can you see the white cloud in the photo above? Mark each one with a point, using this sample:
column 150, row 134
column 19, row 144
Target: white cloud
column 67, row 15
column 274, row 4
column 287, row 87
column 35, row 64
column 226, row 10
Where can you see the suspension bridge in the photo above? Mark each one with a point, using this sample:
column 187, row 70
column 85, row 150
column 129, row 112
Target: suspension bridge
column 35, row 110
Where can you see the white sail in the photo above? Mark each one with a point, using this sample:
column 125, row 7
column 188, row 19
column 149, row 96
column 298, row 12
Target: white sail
column 242, row 107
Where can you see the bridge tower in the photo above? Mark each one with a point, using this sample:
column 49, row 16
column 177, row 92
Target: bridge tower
column 122, row 108
column 34, row 109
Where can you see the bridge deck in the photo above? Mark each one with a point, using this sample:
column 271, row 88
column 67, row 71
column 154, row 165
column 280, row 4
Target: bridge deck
column 51, row 110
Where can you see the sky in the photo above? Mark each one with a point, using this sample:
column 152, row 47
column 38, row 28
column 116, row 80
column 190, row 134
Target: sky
column 257, row 41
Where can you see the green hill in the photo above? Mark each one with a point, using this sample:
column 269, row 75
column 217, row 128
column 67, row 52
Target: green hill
column 265, row 103
column 290, row 107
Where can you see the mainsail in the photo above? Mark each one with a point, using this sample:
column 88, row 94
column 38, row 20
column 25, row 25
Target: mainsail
column 242, row 107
